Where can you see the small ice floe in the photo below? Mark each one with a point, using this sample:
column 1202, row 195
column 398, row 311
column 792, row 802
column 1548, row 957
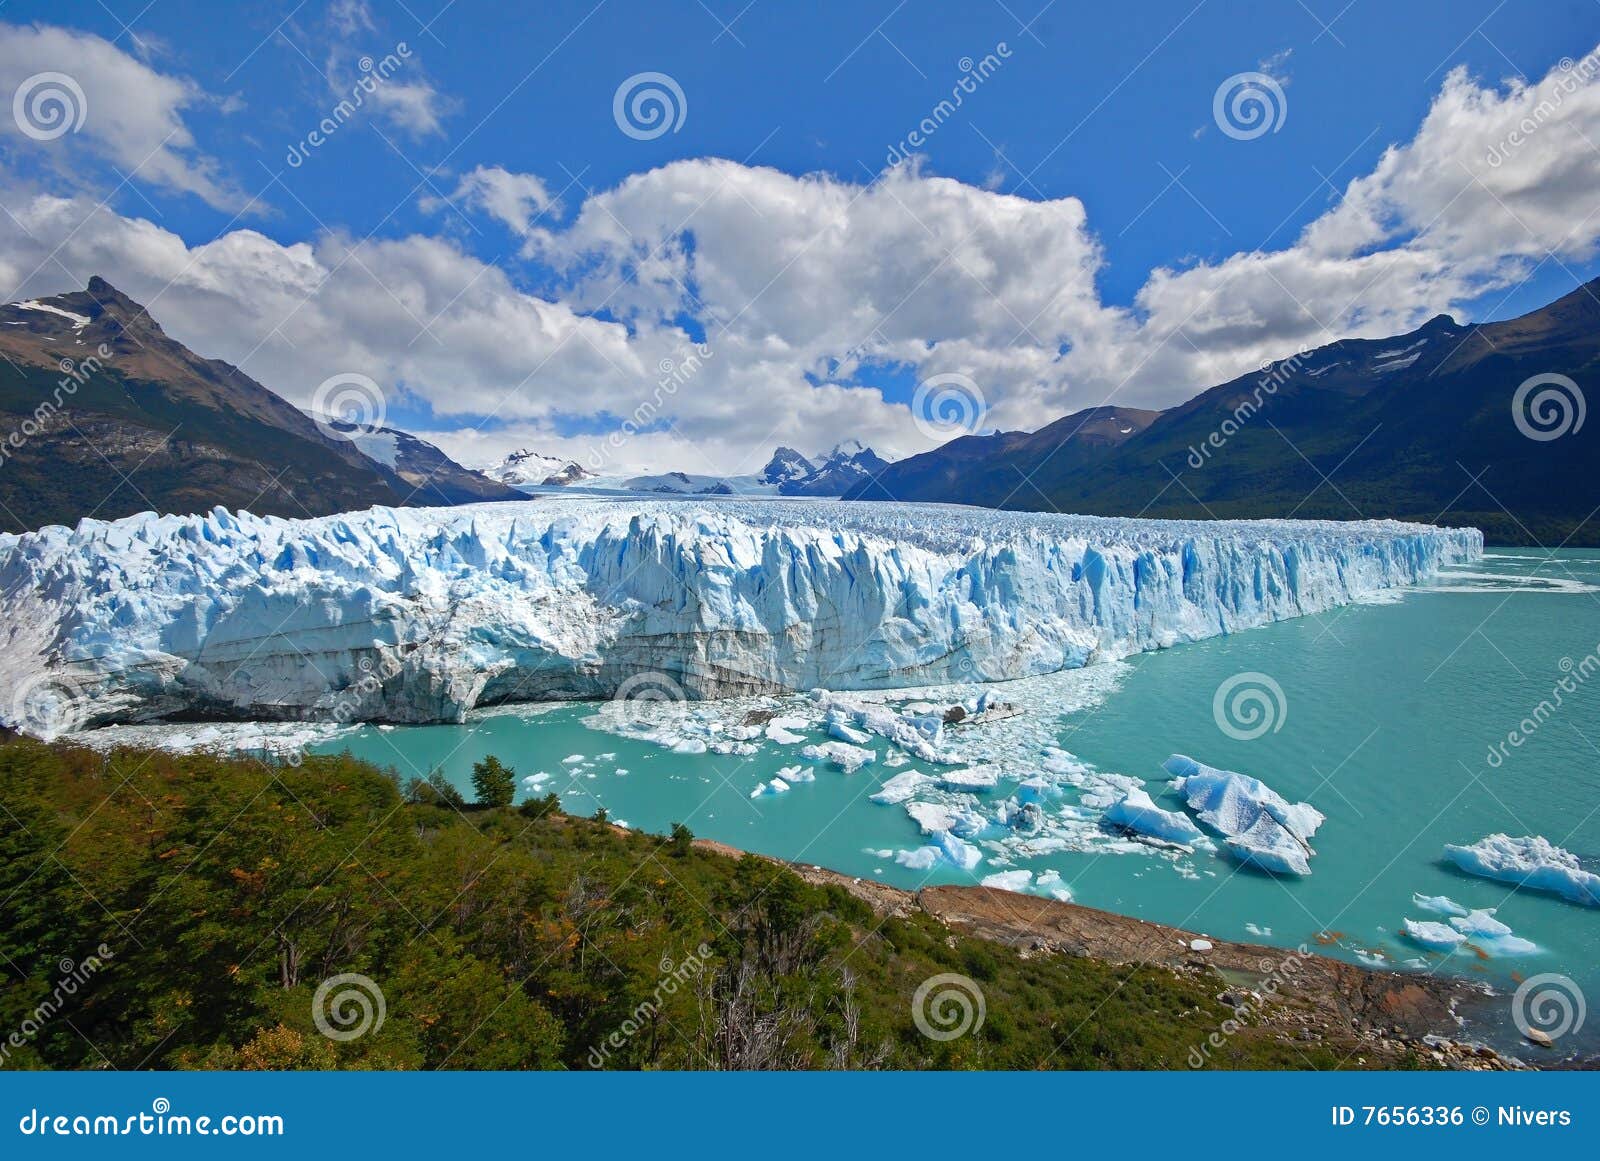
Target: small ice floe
column 1008, row 880
column 938, row 817
column 776, row 786
column 1371, row 957
column 840, row 729
column 841, row 754
column 1533, row 862
column 901, row 787
column 970, row 778
column 1438, row 904
column 573, row 759
column 1136, row 812
column 1262, row 828
column 793, row 774
column 1259, row 931
column 944, row 847
column 781, row 731
column 1050, row 881
column 1433, row 936
column 538, row 778
column 1487, row 932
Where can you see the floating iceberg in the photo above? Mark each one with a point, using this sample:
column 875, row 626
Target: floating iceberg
column 1482, row 923
column 1533, row 862
column 1433, row 936
column 970, row 778
column 1261, row 827
column 1438, row 904
column 841, row 754
column 1008, row 880
column 901, row 787
column 1137, row 812
column 421, row 614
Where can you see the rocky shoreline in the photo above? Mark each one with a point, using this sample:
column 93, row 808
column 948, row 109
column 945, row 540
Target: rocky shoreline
column 1374, row 1018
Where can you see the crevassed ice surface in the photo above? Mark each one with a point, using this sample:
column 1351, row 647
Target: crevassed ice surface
column 422, row 614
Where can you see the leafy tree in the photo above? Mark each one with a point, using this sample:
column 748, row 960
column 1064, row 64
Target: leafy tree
column 494, row 782
column 681, row 841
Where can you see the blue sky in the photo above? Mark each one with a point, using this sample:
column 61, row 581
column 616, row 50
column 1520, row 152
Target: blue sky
column 1111, row 105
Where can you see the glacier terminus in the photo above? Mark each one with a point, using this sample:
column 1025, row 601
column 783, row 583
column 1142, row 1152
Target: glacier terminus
column 420, row 615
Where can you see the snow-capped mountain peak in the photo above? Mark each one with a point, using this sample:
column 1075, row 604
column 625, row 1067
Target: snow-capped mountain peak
column 528, row 467
column 786, row 466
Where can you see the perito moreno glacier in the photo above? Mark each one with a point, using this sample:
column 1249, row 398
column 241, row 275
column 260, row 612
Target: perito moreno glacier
column 418, row 615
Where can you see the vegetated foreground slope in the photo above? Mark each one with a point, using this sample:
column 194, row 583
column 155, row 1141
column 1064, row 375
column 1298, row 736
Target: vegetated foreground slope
column 212, row 897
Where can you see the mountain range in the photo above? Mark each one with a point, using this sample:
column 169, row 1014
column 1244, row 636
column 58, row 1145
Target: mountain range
column 103, row 414
column 787, row 473
column 1421, row 426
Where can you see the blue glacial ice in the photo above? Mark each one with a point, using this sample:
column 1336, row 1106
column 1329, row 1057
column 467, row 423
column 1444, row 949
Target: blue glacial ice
column 422, row 614
column 1261, row 828
column 1533, row 862
column 1137, row 812
column 1433, row 936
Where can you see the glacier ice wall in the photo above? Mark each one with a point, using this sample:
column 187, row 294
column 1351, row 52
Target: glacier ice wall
column 421, row 614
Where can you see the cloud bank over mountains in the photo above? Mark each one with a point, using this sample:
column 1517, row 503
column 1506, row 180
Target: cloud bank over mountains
column 804, row 288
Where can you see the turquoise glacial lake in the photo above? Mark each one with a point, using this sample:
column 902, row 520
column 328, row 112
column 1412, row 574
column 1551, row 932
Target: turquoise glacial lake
column 1393, row 721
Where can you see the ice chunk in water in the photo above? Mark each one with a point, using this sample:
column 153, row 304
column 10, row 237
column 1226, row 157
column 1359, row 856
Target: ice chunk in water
column 1533, row 862
column 841, row 754
column 1262, row 828
column 1433, row 936
column 1137, row 812
column 1480, row 923
column 1438, row 904
column 1008, row 880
